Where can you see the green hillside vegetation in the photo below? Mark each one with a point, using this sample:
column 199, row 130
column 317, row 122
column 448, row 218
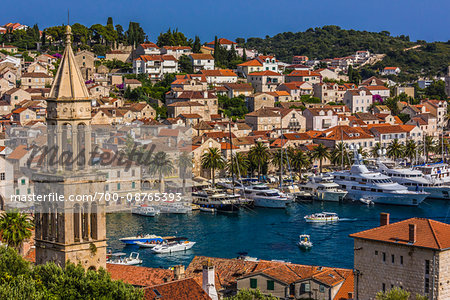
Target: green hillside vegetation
column 333, row 41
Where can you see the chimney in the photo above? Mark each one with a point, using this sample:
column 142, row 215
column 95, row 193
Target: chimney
column 384, row 219
column 208, row 282
column 178, row 272
column 412, row 233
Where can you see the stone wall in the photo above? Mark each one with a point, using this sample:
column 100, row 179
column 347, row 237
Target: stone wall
column 410, row 275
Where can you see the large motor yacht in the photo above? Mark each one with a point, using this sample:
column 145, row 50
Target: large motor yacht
column 436, row 171
column 415, row 180
column 323, row 188
column 263, row 196
column 362, row 183
column 217, row 199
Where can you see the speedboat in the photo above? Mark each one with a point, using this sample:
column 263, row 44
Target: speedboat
column 121, row 259
column 361, row 183
column 263, row 196
column 323, row 217
column 149, row 244
column 173, row 208
column 173, row 245
column 145, row 210
column 212, row 200
column 305, row 241
column 366, row 200
column 323, row 188
column 131, row 240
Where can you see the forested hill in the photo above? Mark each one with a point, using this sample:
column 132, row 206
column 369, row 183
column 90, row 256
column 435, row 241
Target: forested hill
column 327, row 42
column 332, row 41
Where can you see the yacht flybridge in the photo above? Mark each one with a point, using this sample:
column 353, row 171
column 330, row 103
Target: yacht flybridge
column 362, row 183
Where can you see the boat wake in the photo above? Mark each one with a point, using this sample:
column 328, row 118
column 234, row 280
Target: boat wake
column 347, row 220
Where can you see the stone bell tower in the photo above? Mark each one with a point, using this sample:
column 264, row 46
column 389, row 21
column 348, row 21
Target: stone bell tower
column 69, row 230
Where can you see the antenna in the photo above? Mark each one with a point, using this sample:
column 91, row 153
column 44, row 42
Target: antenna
column 68, row 17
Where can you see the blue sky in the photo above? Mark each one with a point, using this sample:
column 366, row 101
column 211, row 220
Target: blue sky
column 426, row 20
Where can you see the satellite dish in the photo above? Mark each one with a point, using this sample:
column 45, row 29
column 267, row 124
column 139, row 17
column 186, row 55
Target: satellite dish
column 384, row 151
column 379, row 151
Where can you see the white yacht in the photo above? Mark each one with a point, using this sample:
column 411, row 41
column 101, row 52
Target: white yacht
column 323, row 217
column 174, row 245
column 121, row 259
column 415, row 180
column 362, row 183
column 436, row 171
column 217, row 200
column 145, row 210
column 173, row 208
column 323, row 188
column 263, row 196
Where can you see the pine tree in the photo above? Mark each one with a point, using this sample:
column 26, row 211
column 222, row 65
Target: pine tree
column 197, row 46
column 244, row 54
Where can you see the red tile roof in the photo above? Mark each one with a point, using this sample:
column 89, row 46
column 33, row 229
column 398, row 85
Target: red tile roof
column 201, row 56
column 265, row 73
column 303, row 73
column 429, row 234
column 139, row 276
column 224, row 72
column 222, row 41
column 149, row 45
column 185, row 289
column 251, row 63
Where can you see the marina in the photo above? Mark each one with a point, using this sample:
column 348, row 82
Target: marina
column 265, row 233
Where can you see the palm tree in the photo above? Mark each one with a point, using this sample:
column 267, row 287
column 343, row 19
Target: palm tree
column 162, row 165
column 320, row 152
column 428, row 147
column 238, row 164
column 212, row 160
column 185, row 166
column 374, row 150
column 395, row 149
column 15, row 228
column 259, row 155
column 279, row 160
column 411, row 150
column 299, row 160
column 340, row 155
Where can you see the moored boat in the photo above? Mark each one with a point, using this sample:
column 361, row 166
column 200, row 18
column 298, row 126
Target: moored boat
column 121, row 259
column 305, row 241
column 323, row 217
column 173, row 245
column 131, row 240
column 145, row 210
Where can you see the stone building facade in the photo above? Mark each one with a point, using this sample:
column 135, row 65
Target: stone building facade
column 413, row 254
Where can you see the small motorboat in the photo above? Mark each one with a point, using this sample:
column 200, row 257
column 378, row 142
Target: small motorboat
column 323, row 217
column 207, row 209
column 149, row 244
column 121, row 259
column 145, row 210
column 367, row 201
column 305, row 241
column 173, row 245
column 131, row 240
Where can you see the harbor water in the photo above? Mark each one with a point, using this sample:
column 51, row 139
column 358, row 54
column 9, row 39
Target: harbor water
column 265, row 233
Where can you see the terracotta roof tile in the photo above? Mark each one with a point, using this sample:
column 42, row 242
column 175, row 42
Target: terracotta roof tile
column 265, row 73
column 303, row 73
column 185, row 289
column 201, row 56
column 139, row 276
column 18, row 152
column 251, row 63
column 429, row 233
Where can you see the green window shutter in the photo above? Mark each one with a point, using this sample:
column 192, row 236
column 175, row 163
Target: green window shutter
column 118, row 186
column 133, row 185
column 253, row 283
column 23, row 181
column 270, row 285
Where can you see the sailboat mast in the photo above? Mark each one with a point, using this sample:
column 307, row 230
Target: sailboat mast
column 231, row 155
column 342, row 150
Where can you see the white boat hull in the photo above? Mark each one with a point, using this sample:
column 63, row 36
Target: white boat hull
column 173, row 248
column 322, row 220
column 330, row 196
column 438, row 192
column 408, row 199
column 270, row 203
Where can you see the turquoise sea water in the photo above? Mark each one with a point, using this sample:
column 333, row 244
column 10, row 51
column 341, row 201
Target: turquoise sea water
column 265, row 233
